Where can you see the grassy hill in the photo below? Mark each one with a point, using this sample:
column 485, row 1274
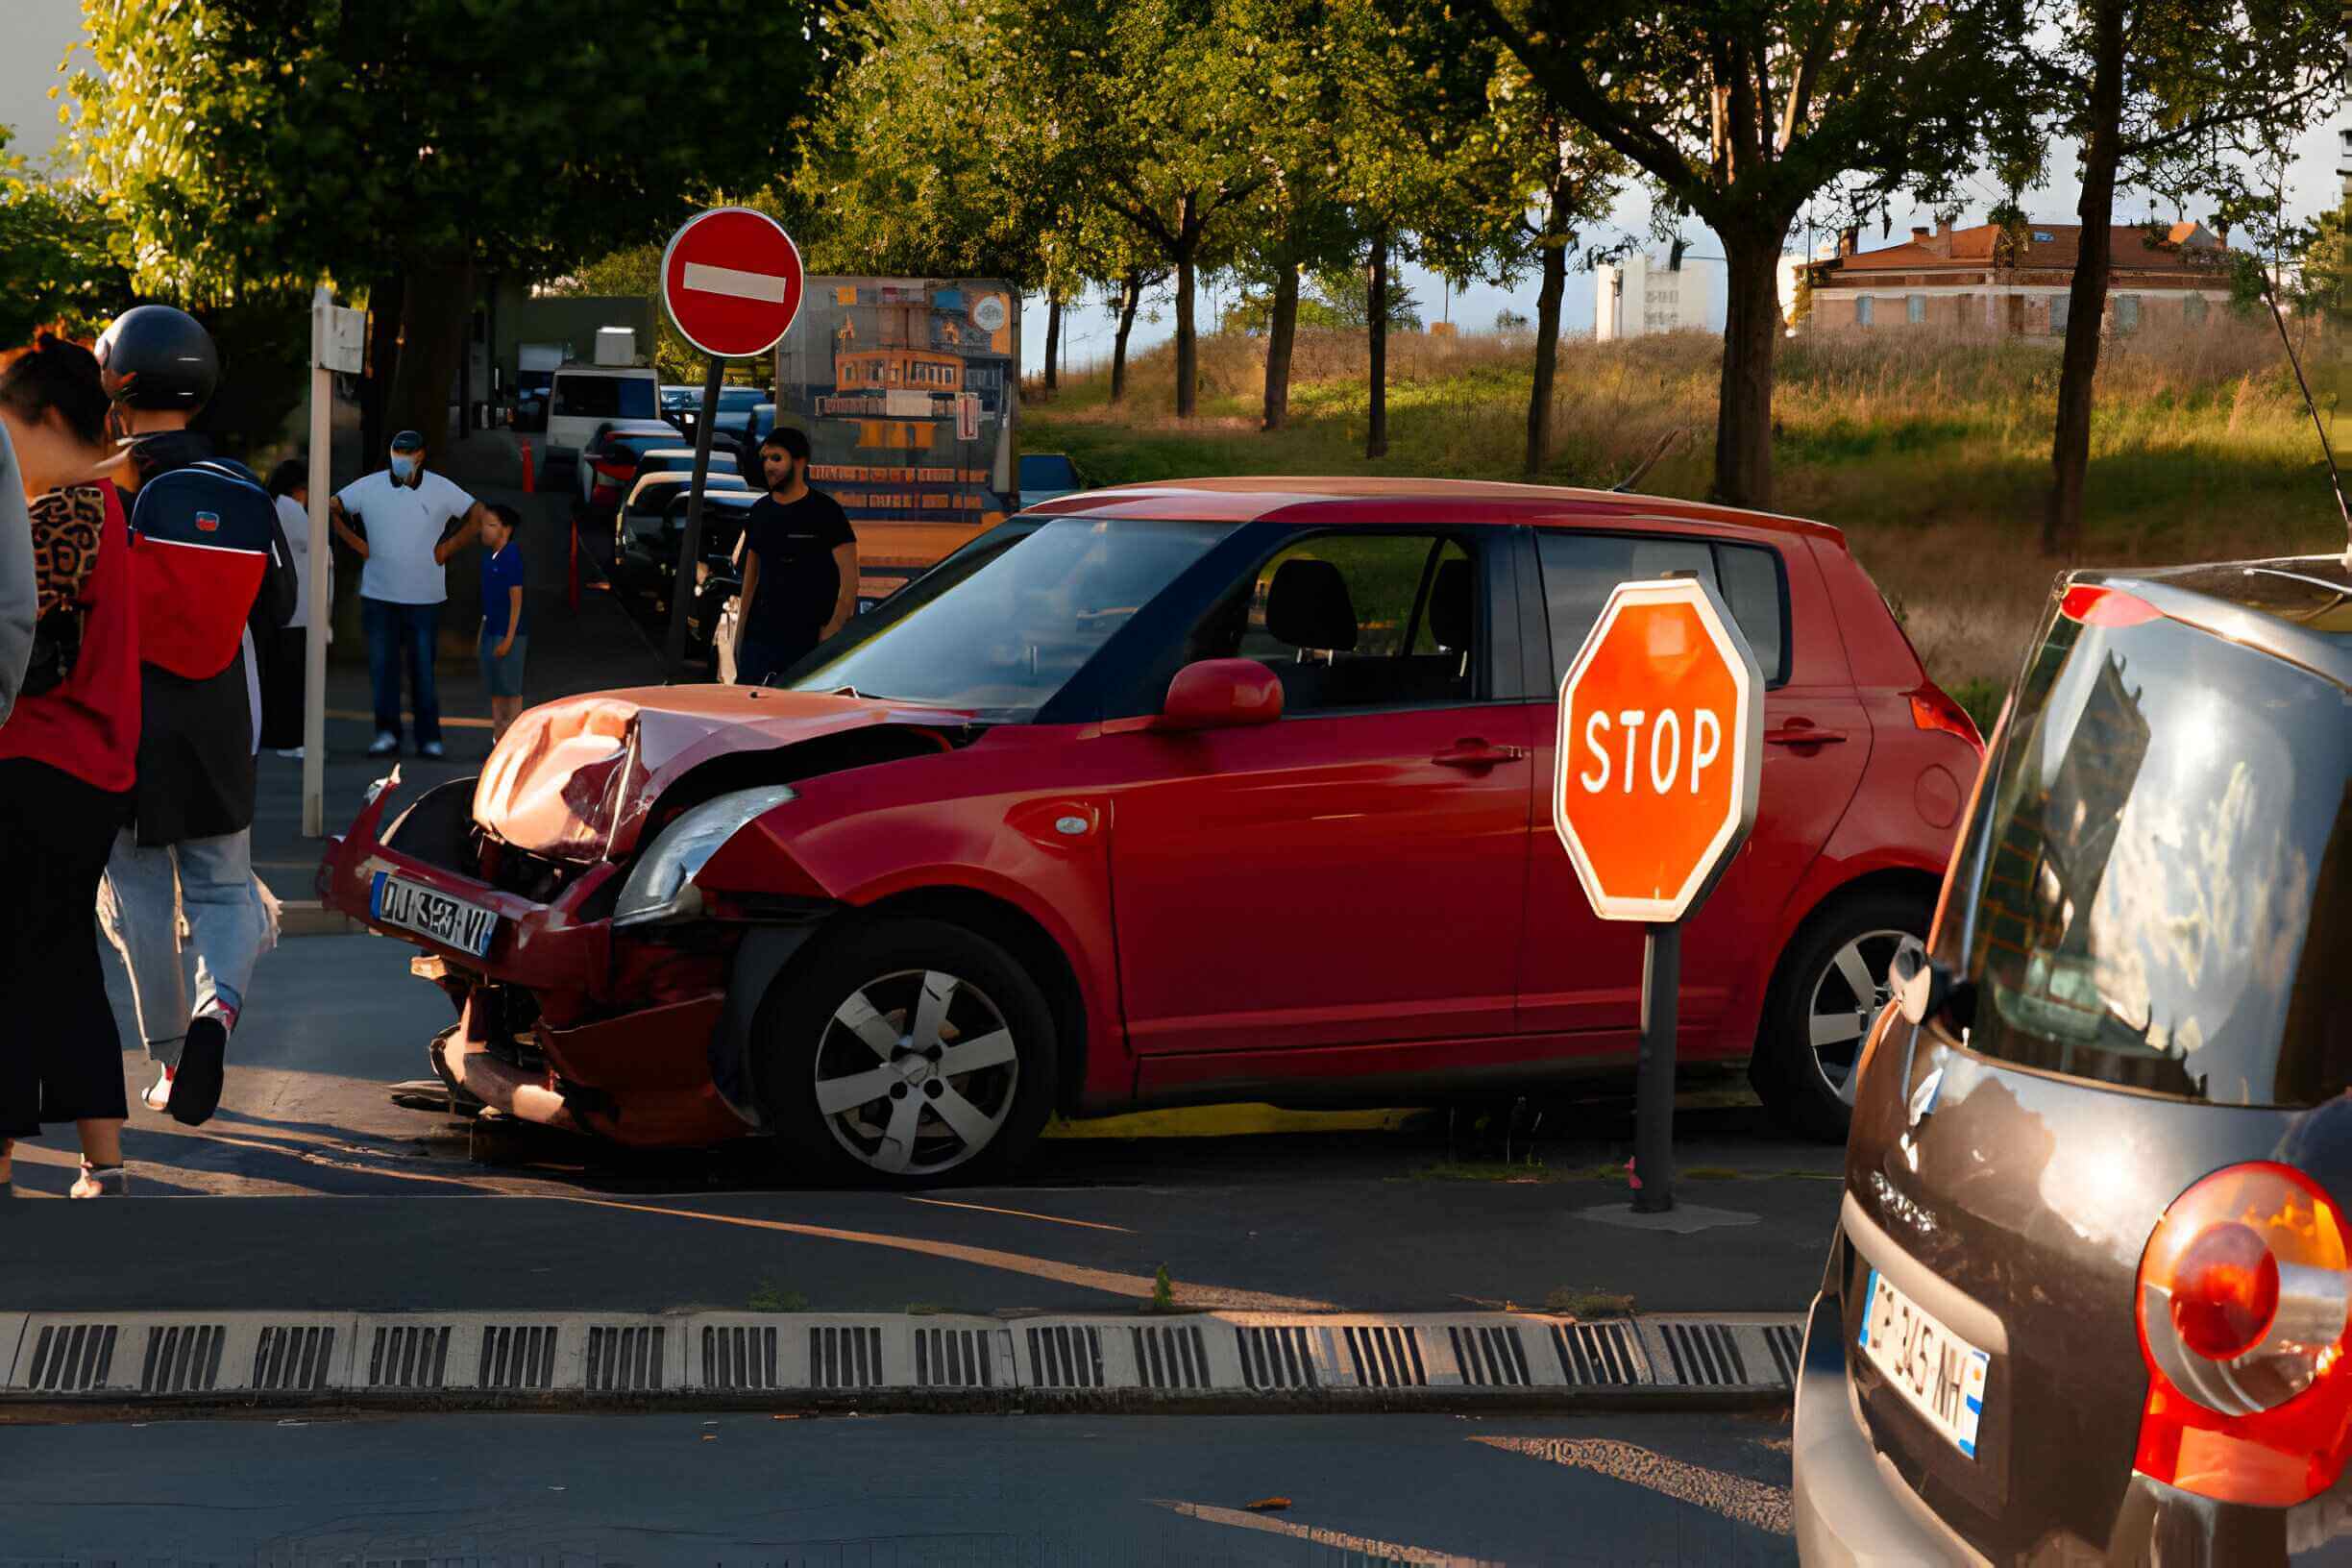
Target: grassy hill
column 1930, row 450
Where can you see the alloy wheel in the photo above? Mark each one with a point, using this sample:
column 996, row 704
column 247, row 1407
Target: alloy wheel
column 1847, row 998
column 915, row 1073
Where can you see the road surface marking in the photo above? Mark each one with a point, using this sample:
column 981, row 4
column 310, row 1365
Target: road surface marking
column 1756, row 1503
column 765, row 287
column 1021, row 1213
column 1363, row 1546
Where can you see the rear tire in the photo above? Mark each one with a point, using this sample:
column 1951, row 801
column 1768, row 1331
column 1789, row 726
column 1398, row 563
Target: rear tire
column 1827, row 990
column 905, row 1053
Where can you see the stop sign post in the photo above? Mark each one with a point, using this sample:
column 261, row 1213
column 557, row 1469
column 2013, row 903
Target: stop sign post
column 733, row 283
column 1653, row 789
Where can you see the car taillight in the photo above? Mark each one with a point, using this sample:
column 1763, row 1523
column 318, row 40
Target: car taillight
column 2094, row 605
column 1933, row 708
column 2243, row 1313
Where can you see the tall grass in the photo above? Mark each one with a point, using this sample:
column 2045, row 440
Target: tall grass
column 1929, row 447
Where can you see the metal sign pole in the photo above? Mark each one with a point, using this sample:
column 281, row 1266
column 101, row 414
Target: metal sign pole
column 690, row 548
column 318, row 604
column 1653, row 1087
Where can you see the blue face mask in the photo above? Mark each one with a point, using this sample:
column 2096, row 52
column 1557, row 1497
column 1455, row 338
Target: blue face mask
column 404, row 469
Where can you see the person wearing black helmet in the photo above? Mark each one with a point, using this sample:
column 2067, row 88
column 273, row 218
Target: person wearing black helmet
column 213, row 572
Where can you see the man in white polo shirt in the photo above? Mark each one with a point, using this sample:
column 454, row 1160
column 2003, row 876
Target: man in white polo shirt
column 403, row 519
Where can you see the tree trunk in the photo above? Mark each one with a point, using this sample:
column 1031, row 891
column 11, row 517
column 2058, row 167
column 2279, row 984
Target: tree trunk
column 2086, row 299
column 383, row 364
column 1131, row 298
column 1282, row 334
column 434, row 309
column 1188, row 343
column 1376, row 313
column 1751, row 333
column 1053, row 343
column 1547, row 351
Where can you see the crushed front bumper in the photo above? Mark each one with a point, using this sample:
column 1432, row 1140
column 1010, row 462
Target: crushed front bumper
column 615, row 1040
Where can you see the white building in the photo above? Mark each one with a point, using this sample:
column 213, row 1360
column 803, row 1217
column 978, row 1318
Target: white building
column 1642, row 295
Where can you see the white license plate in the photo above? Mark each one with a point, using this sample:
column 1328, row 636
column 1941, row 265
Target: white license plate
column 1940, row 1373
column 453, row 922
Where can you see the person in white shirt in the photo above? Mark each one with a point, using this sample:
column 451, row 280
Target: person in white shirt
column 406, row 523
column 283, row 667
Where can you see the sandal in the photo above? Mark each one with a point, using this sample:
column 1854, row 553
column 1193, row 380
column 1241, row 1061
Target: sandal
column 100, row 1181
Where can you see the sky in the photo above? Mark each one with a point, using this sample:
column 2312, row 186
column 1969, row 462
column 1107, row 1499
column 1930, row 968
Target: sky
column 40, row 31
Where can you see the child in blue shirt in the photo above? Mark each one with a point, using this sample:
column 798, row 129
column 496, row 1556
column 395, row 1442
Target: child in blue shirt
column 506, row 631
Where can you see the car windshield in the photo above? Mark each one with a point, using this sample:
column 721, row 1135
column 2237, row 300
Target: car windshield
column 1000, row 631
column 654, row 498
column 2159, row 882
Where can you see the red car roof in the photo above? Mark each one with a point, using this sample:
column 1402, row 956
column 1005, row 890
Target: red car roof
column 1298, row 500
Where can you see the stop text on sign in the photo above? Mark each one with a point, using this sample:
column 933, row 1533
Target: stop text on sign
column 1658, row 756
column 1665, row 769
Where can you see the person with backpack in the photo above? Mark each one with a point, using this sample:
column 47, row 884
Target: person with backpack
column 68, row 754
column 212, row 575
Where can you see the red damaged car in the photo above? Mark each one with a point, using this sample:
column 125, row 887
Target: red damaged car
column 1183, row 792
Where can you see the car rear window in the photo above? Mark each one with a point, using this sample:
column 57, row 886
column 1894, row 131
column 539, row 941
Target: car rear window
column 603, row 396
column 2157, row 890
column 1580, row 569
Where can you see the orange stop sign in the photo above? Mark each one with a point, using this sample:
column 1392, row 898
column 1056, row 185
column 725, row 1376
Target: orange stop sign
column 1654, row 778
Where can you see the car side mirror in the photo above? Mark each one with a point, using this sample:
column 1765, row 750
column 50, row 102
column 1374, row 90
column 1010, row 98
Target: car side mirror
column 1222, row 693
column 1926, row 989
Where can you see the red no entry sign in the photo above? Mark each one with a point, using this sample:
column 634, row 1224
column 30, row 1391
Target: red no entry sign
column 731, row 281
column 1661, row 720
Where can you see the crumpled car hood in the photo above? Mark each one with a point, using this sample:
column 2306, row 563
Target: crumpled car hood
column 576, row 779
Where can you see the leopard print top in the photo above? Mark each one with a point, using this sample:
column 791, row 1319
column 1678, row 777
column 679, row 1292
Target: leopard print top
column 67, row 526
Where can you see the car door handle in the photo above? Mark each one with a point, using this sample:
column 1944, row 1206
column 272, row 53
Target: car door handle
column 1477, row 754
column 1801, row 733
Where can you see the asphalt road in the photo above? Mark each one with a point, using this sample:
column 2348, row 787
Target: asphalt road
column 753, row 1491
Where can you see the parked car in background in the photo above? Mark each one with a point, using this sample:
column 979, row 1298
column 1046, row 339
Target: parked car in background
column 536, row 364
column 982, row 859
column 2087, row 1298
column 644, row 531
column 584, row 397
column 609, row 462
column 719, row 578
column 1048, row 476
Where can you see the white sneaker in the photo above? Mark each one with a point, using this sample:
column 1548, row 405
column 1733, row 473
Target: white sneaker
column 159, row 1096
column 292, row 753
column 433, row 749
column 100, row 1181
column 386, row 745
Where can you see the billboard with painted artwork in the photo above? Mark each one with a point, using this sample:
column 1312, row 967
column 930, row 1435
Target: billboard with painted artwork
column 906, row 388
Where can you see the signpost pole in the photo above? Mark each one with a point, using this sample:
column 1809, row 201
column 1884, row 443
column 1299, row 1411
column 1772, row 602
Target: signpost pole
column 1653, row 1089
column 690, row 548
column 329, row 351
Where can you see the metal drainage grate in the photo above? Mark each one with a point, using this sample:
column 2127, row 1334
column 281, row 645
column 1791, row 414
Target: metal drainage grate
column 625, row 1360
column 1490, row 1355
column 844, row 1358
column 1705, row 1354
column 1786, row 1342
column 1276, row 1358
column 1594, row 1354
column 293, row 1360
column 1171, row 1358
column 183, row 1359
column 69, row 1358
column 408, row 1356
column 953, row 1359
column 739, row 1357
column 1386, row 1355
column 1066, row 1356
column 517, row 1359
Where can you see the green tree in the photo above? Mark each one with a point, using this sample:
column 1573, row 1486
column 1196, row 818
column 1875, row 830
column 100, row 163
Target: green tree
column 58, row 261
column 1737, row 112
column 2169, row 94
column 407, row 147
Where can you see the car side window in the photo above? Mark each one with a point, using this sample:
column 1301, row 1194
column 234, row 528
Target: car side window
column 1356, row 621
column 1580, row 569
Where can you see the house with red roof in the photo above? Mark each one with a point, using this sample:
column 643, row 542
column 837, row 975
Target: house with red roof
column 2018, row 281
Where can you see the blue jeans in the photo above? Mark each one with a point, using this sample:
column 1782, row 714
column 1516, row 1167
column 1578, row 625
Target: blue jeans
column 397, row 633
column 230, row 920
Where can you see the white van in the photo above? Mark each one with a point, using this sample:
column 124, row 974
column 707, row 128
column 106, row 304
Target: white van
column 584, row 397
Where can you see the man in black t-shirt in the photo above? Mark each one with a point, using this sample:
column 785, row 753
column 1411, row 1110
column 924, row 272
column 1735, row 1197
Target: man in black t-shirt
column 800, row 566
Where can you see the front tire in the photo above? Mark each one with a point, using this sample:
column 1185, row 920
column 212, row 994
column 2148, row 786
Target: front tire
column 906, row 1053
column 1829, row 988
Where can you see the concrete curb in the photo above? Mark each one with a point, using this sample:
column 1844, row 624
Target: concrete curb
column 1230, row 1362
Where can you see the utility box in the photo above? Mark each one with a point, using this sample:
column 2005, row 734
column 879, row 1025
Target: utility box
column 615, row 346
